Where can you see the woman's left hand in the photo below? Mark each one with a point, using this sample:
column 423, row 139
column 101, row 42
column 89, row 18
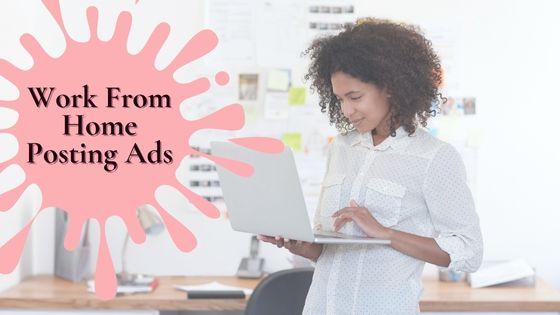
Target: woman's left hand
column 363, row 218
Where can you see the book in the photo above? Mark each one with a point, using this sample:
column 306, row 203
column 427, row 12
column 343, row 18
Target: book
column 213, row 290
column 216, row 294
column 143, row 285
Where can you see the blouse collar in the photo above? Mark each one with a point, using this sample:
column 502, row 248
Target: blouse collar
column 366, row 140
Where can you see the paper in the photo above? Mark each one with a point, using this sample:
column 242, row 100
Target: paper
column 233, row 22
column 212, row 286
column 278, row 80
column 501, row 272
column 444, row 38
column 248, row 86
column 293, row 140
column 279, row 32
column 323, row 19
column 311, row 169
column 250, row 109
column 296, row 96
column 458, row 106
column 276, row 106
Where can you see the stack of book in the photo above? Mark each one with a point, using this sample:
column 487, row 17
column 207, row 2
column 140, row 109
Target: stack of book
column 214, row 290
column 144, row 284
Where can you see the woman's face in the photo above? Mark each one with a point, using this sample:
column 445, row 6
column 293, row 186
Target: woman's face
column 364, row 104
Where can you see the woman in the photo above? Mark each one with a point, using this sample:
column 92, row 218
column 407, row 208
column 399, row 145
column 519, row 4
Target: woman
column 386, row 176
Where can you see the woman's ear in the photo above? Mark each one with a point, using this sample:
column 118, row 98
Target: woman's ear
column 386, row 92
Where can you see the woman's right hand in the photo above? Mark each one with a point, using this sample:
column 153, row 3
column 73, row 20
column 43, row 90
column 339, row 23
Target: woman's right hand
column 305, row 249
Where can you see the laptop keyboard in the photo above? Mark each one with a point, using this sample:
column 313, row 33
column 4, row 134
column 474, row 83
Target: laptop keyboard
column 330, row 234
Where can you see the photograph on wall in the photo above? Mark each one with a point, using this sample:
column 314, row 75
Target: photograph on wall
column 248, row 86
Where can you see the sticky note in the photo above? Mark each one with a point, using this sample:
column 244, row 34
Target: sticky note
column 293, row 140
column 278, row 80
column 250, row 110
column 296, row 96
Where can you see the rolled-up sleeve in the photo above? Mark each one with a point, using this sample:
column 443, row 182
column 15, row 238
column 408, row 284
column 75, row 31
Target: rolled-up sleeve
column 452, row 211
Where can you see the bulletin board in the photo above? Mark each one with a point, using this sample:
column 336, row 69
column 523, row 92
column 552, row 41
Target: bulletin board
column 267, row 68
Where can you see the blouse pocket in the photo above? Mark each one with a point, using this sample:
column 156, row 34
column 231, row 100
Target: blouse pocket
column 383, row 199
column 330, row 199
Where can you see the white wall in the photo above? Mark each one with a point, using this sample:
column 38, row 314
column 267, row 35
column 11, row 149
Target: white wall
column 19, row 17
column 519, row 159
column 38, row 255
column 509, row 63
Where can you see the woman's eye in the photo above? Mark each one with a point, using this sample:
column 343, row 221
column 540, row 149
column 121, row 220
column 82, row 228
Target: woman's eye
column 355, row 98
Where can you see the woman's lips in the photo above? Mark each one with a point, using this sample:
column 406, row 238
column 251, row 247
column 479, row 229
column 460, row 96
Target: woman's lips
column 357, row 122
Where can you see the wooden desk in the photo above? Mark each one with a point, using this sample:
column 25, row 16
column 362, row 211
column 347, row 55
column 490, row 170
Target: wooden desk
column 47, row 292
column 453, row 297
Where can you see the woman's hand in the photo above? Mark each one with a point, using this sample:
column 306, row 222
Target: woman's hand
column 363, row 218
column 308, row 250
column 423, row 248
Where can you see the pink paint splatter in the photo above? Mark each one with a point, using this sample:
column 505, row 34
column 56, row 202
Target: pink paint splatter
column 86, row 189
column 222, row 78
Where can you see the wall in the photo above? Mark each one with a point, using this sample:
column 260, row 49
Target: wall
column 509, row 53
column 509, row 62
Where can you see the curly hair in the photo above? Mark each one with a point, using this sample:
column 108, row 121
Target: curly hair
column 390, row 55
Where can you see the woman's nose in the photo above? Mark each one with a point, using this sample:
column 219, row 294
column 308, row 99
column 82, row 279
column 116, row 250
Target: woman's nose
column 347, row 110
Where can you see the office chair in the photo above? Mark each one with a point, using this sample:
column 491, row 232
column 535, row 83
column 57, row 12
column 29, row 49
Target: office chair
column 281, row 293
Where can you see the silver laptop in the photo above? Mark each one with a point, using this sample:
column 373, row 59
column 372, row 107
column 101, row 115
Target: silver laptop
column 270, row 201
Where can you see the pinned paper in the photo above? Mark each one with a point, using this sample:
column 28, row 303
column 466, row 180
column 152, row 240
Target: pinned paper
column 293, row 140
column 278, row 80
column 296, row 96
column 250, row 109
column 276, row 105
column 248, row 86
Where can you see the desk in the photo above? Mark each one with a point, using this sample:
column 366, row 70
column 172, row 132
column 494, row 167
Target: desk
column 47, row 292
column 454, row 297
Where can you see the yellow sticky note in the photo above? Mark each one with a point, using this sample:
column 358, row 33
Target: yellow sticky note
column 293, row 140
column 278, row 80
column 296, row 96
